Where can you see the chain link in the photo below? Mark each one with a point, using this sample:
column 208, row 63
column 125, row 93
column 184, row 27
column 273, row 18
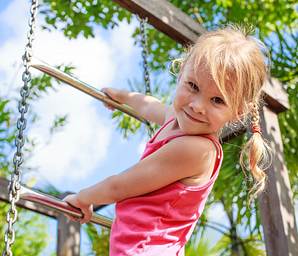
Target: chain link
column 143, row 22
column 16, row 176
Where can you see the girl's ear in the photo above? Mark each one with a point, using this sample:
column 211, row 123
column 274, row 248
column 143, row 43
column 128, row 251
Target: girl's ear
column 242, row 112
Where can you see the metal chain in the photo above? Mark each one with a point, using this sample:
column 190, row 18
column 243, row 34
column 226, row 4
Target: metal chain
column 14, row 186
column 143, row 22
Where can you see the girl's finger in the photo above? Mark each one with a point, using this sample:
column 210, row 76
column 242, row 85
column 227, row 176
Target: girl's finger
column 109, row 106
column 71, row 217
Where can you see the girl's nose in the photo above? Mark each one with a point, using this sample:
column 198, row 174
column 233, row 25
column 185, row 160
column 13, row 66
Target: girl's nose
column 198, row 106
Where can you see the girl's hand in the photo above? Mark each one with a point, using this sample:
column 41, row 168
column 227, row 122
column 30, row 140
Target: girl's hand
column 114, row 94
column 87, row 209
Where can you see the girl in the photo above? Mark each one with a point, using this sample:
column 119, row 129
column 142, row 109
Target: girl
column 160, row 199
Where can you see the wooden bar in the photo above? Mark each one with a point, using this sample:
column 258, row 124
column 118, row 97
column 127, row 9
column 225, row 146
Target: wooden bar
column 166, row 18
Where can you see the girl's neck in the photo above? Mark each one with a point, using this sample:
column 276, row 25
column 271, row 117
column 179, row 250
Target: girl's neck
column 175, row 129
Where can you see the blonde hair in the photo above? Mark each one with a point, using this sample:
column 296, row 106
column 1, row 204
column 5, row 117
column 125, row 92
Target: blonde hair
column 237, row 65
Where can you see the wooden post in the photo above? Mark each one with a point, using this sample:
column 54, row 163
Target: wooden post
column 68, row 241
column 276, row 204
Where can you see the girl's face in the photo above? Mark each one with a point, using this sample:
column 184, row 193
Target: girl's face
column 199, row 106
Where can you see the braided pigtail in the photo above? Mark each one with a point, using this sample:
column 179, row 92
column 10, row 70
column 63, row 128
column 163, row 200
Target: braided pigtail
column 259, row 154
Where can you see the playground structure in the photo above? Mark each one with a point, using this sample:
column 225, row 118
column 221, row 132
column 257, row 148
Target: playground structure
column 276, row 206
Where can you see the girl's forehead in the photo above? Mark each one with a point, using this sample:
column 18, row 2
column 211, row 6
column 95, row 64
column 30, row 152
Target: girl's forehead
column 202, row 77
column 198, row 72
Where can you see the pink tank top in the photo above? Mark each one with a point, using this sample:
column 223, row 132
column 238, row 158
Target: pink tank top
column 161, row 222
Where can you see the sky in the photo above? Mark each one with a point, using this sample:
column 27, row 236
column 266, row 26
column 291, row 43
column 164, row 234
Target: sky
column 88, row 148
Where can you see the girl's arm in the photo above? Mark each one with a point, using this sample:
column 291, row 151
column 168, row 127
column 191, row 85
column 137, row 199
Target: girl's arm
column 147, row 106
column 180, row 158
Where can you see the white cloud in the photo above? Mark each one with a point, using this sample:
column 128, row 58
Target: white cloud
column 80, row 146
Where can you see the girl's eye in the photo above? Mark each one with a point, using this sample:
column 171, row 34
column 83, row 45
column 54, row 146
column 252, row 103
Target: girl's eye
column 193, row 86
column 218, row 100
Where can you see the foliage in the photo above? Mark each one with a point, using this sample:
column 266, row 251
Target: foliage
column 249, row 246
column 30, row 230
column 99, row 238
column 7, row 135
column 79, row 16
column 204, row 244
column 232, row 189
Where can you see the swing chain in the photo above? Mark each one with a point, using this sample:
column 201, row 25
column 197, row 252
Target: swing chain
column 143, row 22
column 16, row 176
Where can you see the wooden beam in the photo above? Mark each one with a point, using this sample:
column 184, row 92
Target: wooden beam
column 276, row 96
column 229, row 133
column 166, row 18
column 25, row 204
column 276, row 203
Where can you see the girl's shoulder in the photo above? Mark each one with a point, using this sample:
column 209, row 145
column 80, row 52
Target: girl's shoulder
column 196, row 150
column 198, row 142
column 203, row 154
column 197, row 154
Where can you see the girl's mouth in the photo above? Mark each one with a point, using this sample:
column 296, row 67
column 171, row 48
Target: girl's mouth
column 193, row 119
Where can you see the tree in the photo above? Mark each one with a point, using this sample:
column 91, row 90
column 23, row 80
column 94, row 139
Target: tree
column 276, row 23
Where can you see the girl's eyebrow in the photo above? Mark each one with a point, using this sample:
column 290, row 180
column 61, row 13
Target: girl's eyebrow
column 193, row 78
